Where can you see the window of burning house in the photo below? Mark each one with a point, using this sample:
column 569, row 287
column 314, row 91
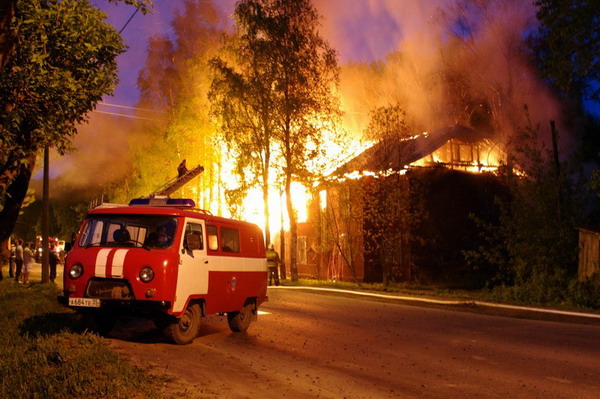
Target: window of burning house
column 464, row 153
column 302, row 250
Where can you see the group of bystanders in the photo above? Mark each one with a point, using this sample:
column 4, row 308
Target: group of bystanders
column 21, row 260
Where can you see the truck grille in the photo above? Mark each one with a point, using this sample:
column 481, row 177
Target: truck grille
column 109, row 289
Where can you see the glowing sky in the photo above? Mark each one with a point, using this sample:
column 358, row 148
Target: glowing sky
column 360, row 30
column 376, row 36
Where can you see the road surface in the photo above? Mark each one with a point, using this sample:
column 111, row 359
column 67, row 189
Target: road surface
column 312, row 345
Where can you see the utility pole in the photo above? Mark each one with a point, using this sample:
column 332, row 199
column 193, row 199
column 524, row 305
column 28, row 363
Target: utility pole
column 45, row 218
column 557, row 169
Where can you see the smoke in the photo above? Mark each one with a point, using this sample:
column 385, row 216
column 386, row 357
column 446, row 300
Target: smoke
column 439, row 60
column 100, row 157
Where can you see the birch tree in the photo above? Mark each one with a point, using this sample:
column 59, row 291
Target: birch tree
column 303, row 72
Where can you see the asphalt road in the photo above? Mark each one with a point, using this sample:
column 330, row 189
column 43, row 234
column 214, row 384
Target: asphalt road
column 319, row 345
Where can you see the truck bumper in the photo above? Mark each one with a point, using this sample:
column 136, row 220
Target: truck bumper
column 121, row 307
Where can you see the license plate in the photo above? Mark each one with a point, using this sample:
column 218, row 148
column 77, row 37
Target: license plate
column 86, row 302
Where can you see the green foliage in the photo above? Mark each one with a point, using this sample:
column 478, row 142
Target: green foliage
column 68, row 216
column 544, row 290
column 176, row 79
column 567, row 44
column 292, row 71
column 43, row 356
column 411, row 289
column 242, row 103
column 391, row 209
column 65, row 61
column 28, row 200
column 62, row 64
column 143, row 5
column 534, row 247
column 341, row 225
column 584, row 294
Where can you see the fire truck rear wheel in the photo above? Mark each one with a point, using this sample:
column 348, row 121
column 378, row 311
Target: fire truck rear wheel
column 184, row 329
column 240, row 321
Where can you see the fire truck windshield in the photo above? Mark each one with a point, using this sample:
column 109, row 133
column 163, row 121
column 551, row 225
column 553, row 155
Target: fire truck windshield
column 140, row 231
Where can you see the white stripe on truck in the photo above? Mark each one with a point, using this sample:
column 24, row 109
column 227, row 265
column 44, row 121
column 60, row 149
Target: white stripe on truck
column 118, row 262
column 101, row 260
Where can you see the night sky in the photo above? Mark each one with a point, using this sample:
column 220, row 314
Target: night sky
column 365, row 32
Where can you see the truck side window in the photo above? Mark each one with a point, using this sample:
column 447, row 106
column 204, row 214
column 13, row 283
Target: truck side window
column 213, row 238
column 195, row 229
column 231, row 240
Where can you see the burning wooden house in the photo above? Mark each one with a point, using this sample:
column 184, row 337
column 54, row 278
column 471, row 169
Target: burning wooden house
column 404, row 208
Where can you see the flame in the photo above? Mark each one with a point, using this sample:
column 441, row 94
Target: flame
column 253, row 207
column 475, row 158
column 333, row 153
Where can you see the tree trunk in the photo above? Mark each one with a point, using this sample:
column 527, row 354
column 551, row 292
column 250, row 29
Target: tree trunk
column 267, row 212
column 293, row 227
column 7, row 39
column 45, row 218
column 265, row 187
column 283, row 271
column 15, row 194
column 9, row 172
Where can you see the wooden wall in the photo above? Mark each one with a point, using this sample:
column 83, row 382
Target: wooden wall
column 589, row 254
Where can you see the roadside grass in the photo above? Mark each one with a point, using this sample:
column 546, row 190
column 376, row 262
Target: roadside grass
column 45, row 352
column 577, row 297
column 396, row 288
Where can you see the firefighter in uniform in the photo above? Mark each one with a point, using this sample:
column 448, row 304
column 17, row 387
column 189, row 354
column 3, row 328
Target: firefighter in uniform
column 273, row 263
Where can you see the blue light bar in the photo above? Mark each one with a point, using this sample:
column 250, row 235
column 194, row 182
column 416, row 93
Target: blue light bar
column 164, row 201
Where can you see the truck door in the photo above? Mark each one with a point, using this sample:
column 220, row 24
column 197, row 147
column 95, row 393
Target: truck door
column 192, row 276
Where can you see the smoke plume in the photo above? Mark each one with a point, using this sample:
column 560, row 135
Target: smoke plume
column 435, row 56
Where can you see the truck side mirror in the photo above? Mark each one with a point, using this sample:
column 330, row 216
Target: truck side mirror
column 193, row 241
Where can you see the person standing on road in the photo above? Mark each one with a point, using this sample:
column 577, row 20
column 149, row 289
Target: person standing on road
column 53, row 260
column 18, row 259
column 11, row 261
column 273, row 262
column 27, row 262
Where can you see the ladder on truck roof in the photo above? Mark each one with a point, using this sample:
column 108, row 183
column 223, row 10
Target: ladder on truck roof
column 174, row 184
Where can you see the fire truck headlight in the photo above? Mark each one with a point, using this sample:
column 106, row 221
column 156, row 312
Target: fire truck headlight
column 75, row 271
column 146, row 274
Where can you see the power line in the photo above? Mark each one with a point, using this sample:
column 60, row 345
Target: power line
column 129, row 20
column 127, row 107
column 128, row 116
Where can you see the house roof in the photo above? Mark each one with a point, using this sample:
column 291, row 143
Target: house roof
column 593, row 229
column 387, row 155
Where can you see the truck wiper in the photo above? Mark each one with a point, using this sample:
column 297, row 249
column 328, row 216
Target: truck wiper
column 93, row 244
column 142, row 245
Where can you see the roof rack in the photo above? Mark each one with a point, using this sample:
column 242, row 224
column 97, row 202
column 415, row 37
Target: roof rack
column 204, row 211
column 163, row 201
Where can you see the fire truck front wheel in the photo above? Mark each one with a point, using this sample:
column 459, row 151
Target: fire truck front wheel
column 240, row 321
column 184, row 329
column 98, row 323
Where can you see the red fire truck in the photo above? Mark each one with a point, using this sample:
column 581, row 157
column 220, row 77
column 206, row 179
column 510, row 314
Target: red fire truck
column 161, row 258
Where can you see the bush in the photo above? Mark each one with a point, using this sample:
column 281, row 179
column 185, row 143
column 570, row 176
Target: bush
column 584, row 294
